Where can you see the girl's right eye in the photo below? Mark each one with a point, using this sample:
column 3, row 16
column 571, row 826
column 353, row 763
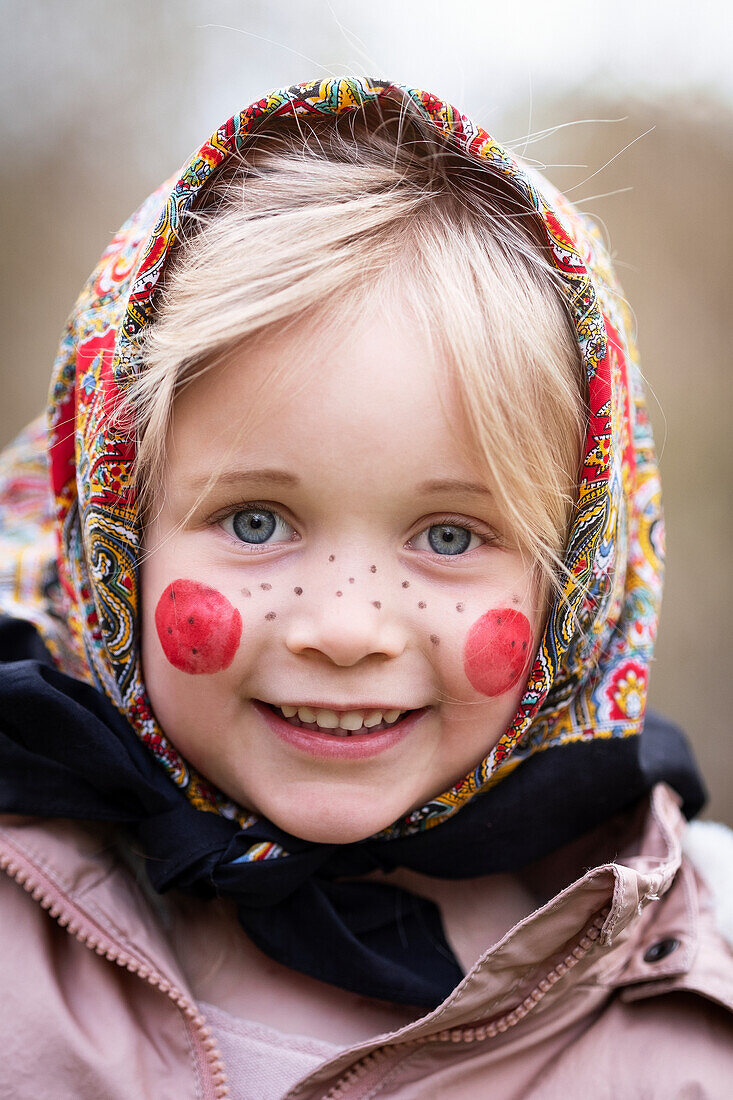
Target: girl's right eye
column 257, row 527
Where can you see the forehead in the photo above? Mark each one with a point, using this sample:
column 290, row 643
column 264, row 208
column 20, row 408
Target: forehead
column 364, row 395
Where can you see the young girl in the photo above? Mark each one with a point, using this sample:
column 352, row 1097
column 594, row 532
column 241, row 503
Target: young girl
column 322, row 725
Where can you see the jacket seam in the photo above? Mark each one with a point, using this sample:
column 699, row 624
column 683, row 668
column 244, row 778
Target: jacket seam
column 194, row 1060
column 667, row 833
column 618, row 903
column 671, row 967
column 134, row 955
column 388, row 1079
column 89, row 906
column 41, row 863
column 490, row 956
column 673, row 855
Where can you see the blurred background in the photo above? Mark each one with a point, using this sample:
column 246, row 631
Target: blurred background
column 628, row 106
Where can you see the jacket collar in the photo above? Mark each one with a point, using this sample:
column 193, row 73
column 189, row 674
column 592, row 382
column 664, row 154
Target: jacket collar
column 641, row 923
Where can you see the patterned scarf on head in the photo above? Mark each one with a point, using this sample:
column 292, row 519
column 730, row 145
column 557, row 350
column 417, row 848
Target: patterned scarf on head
column 69, row 558
column 589, row 679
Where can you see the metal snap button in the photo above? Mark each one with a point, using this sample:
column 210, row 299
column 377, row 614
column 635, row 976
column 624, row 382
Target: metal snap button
column 660, row 950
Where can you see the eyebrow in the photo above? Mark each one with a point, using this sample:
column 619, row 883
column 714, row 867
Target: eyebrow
column 453, row 485
column 242, row 477
column 283, row 477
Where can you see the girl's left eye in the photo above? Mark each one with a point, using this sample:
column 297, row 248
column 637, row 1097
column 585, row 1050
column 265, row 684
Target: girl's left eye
column 447, row 539
column 257, row 526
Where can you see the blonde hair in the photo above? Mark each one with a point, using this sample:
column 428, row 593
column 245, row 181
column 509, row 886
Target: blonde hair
column 317, row 212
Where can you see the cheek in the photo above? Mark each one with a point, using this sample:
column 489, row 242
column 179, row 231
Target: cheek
column 198, row 628
column 497, row 650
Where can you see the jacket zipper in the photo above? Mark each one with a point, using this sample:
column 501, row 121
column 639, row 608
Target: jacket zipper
column 87, row 933
column 370, row 1064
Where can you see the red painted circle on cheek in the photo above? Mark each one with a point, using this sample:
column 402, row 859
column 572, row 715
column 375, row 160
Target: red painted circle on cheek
column 198, row 628
column 497, row 650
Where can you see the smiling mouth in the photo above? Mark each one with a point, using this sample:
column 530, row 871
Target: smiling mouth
column 348, row 723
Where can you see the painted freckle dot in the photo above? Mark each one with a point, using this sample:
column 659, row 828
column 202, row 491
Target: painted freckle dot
column 372, row 568
column 246, row 592
column 298, row 591
column 332, row 557
column 435, row 639
column 422, row 605
column 339, row 593
column 459, row 607
column 351, row 580
column 405, row 584
column 377, row 604
column 265, row 587
column 270, row 616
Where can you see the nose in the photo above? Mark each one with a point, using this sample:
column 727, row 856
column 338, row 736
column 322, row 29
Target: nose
column 346, row 633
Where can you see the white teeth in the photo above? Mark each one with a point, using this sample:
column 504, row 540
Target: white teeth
column 340, row 723
column 352, row 720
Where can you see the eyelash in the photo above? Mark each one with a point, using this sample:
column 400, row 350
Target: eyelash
column 482, row 531
column 251, row 506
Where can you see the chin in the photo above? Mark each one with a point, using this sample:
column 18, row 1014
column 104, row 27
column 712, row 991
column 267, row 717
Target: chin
column 328, row 822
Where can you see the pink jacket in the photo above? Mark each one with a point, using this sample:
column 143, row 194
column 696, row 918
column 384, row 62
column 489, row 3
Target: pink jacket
column 620, row 986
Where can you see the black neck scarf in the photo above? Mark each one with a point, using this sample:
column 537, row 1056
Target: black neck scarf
column 65, row 751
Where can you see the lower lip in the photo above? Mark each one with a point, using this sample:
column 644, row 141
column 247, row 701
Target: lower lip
column 332, row 747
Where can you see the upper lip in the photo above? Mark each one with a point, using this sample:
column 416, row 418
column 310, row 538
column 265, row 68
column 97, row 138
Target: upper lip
column 340, row 708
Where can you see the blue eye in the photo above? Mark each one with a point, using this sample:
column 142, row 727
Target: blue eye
column 450, row 539
column 256, row 526
column 447, row 538
column 253, row 526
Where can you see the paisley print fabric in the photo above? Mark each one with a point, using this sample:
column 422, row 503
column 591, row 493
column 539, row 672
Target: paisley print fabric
column 70, row 557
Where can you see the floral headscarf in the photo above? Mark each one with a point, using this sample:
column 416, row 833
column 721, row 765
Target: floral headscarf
column 69, row 561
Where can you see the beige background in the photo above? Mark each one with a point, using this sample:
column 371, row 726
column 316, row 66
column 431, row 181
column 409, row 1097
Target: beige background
column 103, row 100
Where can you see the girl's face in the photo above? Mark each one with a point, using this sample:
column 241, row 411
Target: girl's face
column 340, row 628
